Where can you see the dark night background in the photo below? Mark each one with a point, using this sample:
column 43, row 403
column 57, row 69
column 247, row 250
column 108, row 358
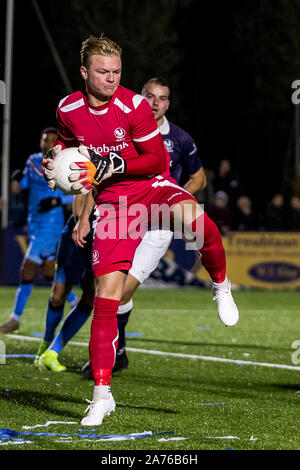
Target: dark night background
column 230, row 66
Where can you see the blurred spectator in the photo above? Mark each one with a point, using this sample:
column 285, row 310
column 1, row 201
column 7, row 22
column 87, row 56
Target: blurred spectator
column 295, row 183
column 207, row 195
column 245, row 217
column 220, row 213
column 275, row 214
column 293, row 219
column 228, row 181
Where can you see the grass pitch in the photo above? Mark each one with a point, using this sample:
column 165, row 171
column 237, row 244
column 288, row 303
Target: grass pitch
column 192, row 384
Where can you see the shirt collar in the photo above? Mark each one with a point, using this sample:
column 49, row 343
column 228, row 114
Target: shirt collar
column 165, row 127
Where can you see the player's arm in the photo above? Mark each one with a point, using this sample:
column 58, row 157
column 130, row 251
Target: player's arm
column 19, row 179
column 197, row 181
column 15, row 182
column 151, row 158
column 83, row 206
column 191, row 161
column 77, row 205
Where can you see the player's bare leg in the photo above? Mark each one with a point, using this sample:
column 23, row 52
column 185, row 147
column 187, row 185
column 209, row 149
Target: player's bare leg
column 210, row 247
column 103, row 344
column 48, row 269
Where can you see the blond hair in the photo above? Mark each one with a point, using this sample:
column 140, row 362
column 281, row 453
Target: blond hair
column 98, row 46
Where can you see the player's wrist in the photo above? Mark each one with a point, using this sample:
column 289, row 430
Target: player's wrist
column 84, row 217
column 119, row 163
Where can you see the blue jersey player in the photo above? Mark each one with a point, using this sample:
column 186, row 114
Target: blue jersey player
column 45, row 222
column 73, row 267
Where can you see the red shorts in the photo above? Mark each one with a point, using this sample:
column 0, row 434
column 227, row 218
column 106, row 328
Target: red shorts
column 125, row 214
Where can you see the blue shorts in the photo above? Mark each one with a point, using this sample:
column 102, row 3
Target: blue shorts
column 43, row 247
column 73, row 264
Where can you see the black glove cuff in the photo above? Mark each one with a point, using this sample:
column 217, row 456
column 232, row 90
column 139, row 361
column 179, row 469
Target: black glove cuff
column 119, row 163
column 101, row 163
column 48, row 203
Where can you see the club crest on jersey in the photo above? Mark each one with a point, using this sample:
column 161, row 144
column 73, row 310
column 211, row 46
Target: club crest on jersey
column 169, row 144
column 119, row 133
column 95, row 256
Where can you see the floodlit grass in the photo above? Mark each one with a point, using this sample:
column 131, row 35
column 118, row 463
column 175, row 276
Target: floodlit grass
column 254, row 406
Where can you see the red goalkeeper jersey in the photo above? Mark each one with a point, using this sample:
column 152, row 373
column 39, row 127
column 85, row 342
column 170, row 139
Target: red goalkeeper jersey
column 125, row 124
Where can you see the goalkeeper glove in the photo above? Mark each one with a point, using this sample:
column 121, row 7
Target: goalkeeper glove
column 48, row 167
column 98, row 169
column 48, row 203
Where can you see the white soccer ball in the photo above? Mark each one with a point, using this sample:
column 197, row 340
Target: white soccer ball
column 62, row 169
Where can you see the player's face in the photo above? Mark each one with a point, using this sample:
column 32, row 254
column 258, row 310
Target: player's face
column 102, row 76
column 47, row 142
column 158, row 98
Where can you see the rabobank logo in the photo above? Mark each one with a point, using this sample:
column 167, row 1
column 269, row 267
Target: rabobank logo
column 275, row 272
column 111, row 148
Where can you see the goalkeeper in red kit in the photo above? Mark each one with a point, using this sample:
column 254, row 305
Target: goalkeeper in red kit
column 128, row 169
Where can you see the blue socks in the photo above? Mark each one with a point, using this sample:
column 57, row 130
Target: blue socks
column 53, row 318
column 72, row 324
column 21, row 297
column 72, row 299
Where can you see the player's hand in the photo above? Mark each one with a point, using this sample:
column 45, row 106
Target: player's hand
column 48, row 167
column 98, row 169
column 17, row 175
column 81, row 231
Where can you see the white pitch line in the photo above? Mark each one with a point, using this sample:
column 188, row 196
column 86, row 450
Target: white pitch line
column 216, row 359
column 185, row 356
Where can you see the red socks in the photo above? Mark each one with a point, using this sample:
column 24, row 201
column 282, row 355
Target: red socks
column 104, row 339
column 212, row 252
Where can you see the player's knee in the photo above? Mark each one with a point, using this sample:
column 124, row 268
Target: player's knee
column 48, row 270
column 58, row 295
column 111, row 285
column 57, row 301
column 130, row 286
column 185, row 212
column 126, row 297
column 28, row 270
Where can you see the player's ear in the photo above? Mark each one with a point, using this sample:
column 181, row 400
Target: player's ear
column 83, row 72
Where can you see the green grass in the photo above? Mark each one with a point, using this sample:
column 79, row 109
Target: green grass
column 194, row 398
